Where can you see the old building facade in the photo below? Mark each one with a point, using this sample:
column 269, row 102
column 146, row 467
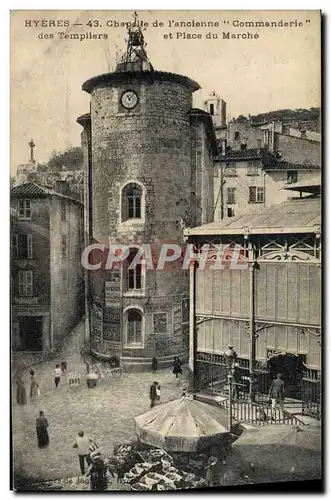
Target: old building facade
column 47, row 288
column 149, row 164
column 256, row 163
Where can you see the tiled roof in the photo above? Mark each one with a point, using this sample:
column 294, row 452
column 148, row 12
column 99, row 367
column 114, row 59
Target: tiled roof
column 33, row 190
column 29, row 189
column 241, row 154
column 285, row 165
column 298, row 215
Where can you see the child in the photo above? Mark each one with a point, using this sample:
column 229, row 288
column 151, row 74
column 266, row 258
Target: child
column 57, row 375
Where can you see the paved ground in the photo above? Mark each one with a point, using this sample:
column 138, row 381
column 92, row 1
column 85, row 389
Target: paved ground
column 106, row 413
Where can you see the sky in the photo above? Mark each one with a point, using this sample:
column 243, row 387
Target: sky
column 279, row 69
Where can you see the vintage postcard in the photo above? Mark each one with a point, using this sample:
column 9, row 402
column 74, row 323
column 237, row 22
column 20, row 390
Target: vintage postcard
column 166, row 250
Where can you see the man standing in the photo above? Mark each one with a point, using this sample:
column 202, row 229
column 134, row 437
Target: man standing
column 82, row 445
column 276, row 392
column 236, row 381
column 153, row 394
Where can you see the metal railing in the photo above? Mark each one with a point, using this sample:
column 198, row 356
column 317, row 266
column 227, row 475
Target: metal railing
column 311, row 394
column 259, row 415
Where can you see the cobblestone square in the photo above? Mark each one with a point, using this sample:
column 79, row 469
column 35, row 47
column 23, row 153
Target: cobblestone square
column 106, row 413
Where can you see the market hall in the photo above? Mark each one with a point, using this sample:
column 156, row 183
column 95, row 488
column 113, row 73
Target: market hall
column 268, row 309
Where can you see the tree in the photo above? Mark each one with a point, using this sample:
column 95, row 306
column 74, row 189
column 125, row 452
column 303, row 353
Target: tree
column 71, row 159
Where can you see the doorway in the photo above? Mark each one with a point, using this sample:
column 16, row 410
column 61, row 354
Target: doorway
column 291, row 367
column 31, row 333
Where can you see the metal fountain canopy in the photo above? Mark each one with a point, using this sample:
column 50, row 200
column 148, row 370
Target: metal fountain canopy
column 135, row 58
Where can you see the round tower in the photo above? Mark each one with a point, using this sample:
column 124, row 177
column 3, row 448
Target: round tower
column 140, row 165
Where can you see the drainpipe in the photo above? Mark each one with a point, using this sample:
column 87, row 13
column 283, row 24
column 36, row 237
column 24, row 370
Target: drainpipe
column 193, row 328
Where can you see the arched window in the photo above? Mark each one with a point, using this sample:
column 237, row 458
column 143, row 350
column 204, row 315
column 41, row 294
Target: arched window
column 131, row 202
column 134, row 275
column 134, row 327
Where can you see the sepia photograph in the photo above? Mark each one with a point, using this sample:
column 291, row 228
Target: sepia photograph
column 166, row 250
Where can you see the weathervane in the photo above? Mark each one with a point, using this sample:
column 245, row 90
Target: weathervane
column 136, row 46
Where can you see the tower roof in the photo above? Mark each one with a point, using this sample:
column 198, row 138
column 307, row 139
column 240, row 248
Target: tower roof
column 135, row 65
column 127, row 76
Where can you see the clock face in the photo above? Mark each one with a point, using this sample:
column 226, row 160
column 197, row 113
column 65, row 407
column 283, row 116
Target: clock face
column 129, row 99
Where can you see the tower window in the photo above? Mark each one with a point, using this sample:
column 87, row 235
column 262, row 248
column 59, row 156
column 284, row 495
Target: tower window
column 134, row 327
column 131, row 202
column 211, row 109
column 134, row 275
column 243, row 145
column 236, row 136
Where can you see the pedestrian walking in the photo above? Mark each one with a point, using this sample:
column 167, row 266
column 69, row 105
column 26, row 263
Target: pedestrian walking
column 57, row 375
column 20, row 391
column 276, row 392
column 42, row 430
column 154, row 364
column 34, row 388
column 153, row 393
column 177, row 367
column 97, row 472
column 82, row 445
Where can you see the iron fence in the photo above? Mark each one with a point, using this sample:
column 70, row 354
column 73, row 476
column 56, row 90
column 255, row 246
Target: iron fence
column 259, row 415
column 212, row 378
column 311, row 394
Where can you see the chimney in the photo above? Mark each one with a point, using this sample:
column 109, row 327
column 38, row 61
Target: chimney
column 223, row 113
column 62, row 187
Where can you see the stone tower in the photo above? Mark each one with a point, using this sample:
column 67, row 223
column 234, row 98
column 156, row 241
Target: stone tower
column 149, row 173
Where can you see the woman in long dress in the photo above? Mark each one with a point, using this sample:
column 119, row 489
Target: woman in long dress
column 34, row 388
column 42, row 430
column 20, row 392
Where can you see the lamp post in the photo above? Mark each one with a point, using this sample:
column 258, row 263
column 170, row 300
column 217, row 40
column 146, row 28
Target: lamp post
column 231, row 355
